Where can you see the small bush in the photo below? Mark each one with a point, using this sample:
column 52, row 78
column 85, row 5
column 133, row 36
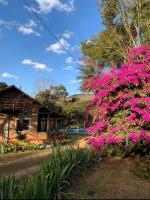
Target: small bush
column 17, row 147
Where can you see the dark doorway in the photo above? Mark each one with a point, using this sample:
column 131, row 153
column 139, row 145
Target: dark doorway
column 42, row 122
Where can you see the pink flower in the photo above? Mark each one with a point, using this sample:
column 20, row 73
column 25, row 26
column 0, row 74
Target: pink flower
column 143, row 133
column 96, row 143
column 134, row 137
column 146, row 117
column 119, row 140
column 111, row 139
column 121, row 100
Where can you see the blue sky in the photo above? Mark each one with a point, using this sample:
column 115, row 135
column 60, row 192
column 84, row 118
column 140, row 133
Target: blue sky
column 30, row 55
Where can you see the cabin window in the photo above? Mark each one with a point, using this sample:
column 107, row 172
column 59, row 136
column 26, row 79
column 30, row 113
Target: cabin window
column 23, row 125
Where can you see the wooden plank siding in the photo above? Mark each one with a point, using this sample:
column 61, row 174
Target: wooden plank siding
column 16, row 105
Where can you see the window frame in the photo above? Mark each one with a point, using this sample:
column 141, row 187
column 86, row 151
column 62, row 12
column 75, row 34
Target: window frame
column 26, row 118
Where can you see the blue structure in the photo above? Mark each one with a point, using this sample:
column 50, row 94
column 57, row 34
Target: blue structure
column 82, row 131
column 75, row 133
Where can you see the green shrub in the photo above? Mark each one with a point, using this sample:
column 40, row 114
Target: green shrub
column 17, row 147
column 128, row 149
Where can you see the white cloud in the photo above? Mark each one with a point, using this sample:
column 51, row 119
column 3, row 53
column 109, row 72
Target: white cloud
column 36, row 65
column 69, row 60
column 28, row 28
column 9, row 76
column 7, row 24
column 58, row 46
column 31, row 24
column 68, row 68
column 46, row 6
column 67, row 34
column 4, row 2
column 61, row 46
column 76, row 81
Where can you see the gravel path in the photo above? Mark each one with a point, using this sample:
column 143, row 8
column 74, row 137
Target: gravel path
column 111, row 179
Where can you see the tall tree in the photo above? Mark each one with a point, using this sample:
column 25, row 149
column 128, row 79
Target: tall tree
column 127, row 25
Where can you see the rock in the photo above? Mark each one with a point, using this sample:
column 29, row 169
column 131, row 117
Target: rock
column 42, row 146
column 48, row 146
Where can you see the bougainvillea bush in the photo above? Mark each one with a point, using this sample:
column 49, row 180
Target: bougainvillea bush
column 121, row 106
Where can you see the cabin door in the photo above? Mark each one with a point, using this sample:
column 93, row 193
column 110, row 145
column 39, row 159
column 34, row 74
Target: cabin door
column 42, row 122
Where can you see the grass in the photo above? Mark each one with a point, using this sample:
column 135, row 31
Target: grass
column 53, row 176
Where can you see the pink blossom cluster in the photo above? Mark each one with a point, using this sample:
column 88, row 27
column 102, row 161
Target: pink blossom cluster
column 141, row 136
column 98, row 143
column 122, row 97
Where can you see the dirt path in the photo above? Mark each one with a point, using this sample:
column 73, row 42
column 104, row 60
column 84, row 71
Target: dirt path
column 111, row 179
column 24, row 163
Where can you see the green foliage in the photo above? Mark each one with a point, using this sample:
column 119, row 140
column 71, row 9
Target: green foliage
column 9, row 187
column 127, row 149
column 3, row 85
column 17, row 147
column 127, row 24
column 116, row 150
column 51, row 96
column 106, row 48
column 55, row 99
column 74, row 110
column 54, row 175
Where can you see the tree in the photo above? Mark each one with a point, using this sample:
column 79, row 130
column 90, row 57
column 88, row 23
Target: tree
column 127, row 25
column 129, row 18
column 75, row 110
column 51, row 97
column 58, row 92
column 3, row 85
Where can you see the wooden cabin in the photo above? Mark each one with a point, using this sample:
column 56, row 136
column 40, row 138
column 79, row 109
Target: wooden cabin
column 22, row 117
